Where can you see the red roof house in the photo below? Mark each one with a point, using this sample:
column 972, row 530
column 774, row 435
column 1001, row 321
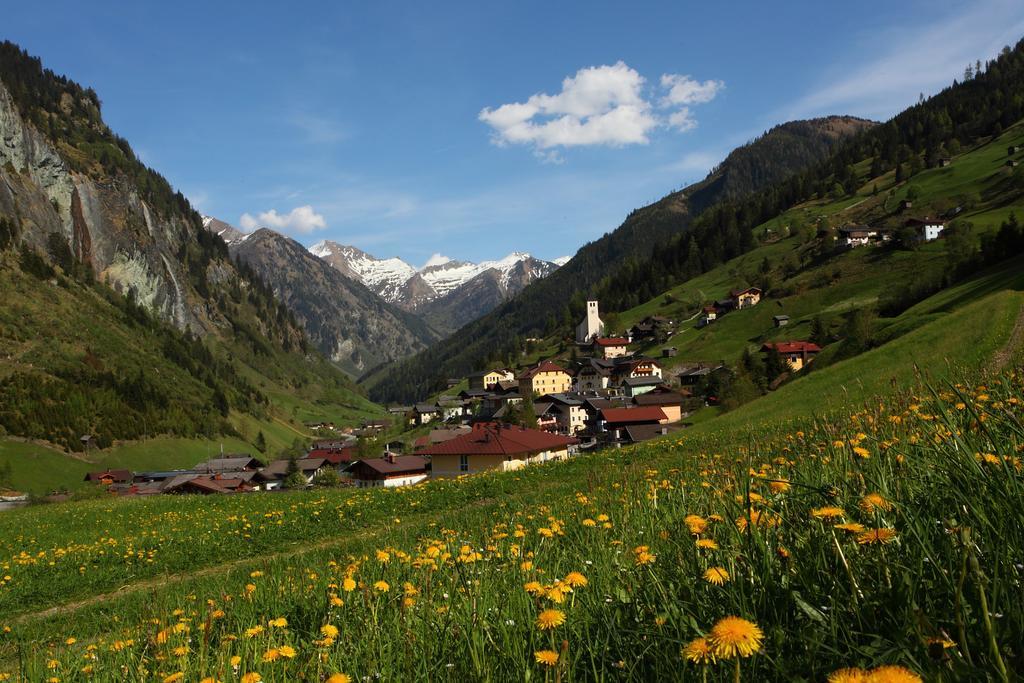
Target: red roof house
column 797, row 353
column 492, row 445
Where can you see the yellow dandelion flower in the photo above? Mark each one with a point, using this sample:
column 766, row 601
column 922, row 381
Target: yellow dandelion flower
column 253, row 632
column 550, row 619
column 175, row 677
column 271, row 655
column 735, row 636
column 881, row 536
column 862, row 452
column 251, row 677
column 576, row 579
column 235, row 661
column 557, row 593
column 699, row 651
column 716, row 576
column 286, row 651
column 534, row 588
column 828, row 512
column 848, row 675
column 707, row 544
column 348, row 585
column 695, row 523
column 381, row 586
column 874, row 501
column 643, row 555
column 546, row 657
column 892, row 674
column 280, row 622
column 329, row 631
column 339, row 678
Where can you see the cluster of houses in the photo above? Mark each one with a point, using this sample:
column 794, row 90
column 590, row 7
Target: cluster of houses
column 608, row 397
column 926, row 229
column 241, row 473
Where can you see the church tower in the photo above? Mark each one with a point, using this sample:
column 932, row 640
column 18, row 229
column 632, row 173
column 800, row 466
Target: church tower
column 591, row 326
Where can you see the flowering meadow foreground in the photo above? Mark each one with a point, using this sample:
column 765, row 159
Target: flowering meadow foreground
column 882, row 545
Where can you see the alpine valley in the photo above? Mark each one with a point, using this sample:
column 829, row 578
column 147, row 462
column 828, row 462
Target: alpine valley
column 768, row 428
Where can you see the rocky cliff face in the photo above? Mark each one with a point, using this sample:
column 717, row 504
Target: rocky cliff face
column 103, row 220
column 348, row 323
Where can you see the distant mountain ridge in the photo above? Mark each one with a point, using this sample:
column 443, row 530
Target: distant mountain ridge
column 347, row 322
column 414, row 289
column 436, row 299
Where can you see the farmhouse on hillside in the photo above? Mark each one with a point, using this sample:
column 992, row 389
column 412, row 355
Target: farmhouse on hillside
column 797, row 354
column 927, row 229
column 745, row 298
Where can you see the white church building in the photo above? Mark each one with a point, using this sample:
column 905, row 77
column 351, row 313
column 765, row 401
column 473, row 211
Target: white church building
column 591, row 326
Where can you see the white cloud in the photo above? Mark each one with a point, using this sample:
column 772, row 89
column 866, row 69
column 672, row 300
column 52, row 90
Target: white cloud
column 686, row 90
column 600, row 105
column 682, row 120
column 301, row 219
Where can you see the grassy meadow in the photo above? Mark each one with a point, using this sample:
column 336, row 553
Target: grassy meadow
column 885, row 536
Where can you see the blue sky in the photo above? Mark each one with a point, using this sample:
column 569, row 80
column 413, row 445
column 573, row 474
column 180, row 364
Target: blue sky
column 382, row 124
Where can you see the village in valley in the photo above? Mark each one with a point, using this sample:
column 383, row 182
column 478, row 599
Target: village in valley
column 605, row 396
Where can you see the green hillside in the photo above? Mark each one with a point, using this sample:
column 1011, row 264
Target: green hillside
column 65, row 337
column 806, row 278
column 864, row 444
column 122, row 318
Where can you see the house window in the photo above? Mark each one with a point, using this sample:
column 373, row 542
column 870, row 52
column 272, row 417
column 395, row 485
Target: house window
column 463, row 463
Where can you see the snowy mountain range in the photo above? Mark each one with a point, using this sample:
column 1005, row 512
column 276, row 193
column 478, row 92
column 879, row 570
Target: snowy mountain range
column 445, row 292
column 413, row 288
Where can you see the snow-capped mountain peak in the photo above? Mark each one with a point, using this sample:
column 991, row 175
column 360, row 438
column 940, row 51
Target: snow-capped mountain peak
column 225, row 231
column 400, row 283
column 436, row 260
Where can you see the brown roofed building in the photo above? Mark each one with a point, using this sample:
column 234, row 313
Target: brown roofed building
column 493, row 446
column 745, row 298
column 108, row 477
column 620, row 417
column 390, row 470
column 611, row 347
column 544, row 378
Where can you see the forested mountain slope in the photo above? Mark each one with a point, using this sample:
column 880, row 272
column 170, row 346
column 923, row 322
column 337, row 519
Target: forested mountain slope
column 124, row 317
column 348, row 323
column 558, row 299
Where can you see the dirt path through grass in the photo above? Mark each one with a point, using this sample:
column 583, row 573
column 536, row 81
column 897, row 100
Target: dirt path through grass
column 1005, row 354
column 166, row 580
